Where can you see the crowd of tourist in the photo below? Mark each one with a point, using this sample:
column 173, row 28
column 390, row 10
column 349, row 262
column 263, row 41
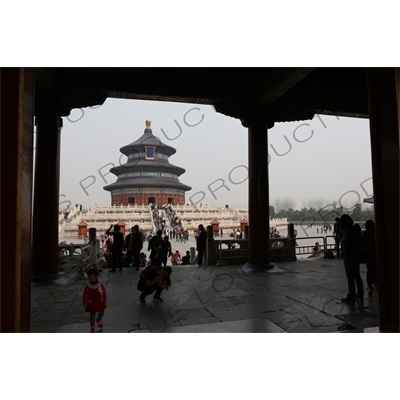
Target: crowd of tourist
column 120, row 252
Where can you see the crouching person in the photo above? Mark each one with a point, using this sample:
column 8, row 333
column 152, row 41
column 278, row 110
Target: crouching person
column 154, row 279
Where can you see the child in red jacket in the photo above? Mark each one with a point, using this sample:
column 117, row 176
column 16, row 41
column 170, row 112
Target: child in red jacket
column 94, row 299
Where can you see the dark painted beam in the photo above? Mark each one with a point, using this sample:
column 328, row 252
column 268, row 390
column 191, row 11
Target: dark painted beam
column 278, row 82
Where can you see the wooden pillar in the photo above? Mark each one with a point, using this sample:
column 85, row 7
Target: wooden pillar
column 384, row 115
column 46, row 193
column 16, row 133
column 259, row 250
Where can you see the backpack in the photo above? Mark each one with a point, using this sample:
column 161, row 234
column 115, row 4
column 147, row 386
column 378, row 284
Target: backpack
column 145, row 272
column 329, row 254
column 142, row 278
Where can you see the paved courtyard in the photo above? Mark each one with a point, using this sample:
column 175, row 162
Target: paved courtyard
column 301, row 296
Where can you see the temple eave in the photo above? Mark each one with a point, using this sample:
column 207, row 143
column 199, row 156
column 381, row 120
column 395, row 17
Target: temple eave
column 147, row 185
column 142, row 166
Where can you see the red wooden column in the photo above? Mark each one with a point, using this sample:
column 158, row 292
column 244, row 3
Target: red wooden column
column 259, row 251
column 384, row 116
column 16, row 132
column 46, row 192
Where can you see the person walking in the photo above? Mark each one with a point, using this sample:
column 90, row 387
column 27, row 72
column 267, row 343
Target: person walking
column 351, row 247
column 94, row 300
column 166, row 250
column 201, row 244
column 155, row 249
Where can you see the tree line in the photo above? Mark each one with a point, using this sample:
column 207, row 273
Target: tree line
column 318, row 210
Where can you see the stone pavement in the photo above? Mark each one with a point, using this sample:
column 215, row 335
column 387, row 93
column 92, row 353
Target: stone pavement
column 301, row 296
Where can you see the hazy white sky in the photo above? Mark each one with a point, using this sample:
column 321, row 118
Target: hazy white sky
column 326, row 157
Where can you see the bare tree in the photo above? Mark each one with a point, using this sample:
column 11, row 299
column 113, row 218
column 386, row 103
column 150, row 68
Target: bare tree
column 316, row 204
column 304, row 204
column 288, row 203
column 283, row 204
column 277, row 204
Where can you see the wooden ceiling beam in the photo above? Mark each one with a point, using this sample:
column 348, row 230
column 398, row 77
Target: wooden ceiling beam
column 278, row 82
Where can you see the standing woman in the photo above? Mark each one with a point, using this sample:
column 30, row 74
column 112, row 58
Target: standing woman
column 351, row 247
column 136, row 245
column 118, row 244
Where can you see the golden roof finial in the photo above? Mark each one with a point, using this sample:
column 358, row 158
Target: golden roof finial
column 148, row 124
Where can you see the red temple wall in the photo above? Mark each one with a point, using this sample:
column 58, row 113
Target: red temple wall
column 142, row 198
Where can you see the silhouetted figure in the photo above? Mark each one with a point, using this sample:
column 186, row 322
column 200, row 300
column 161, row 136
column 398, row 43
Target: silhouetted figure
column 351, row 247
column 154, row 279
column 135, row 246
column 117, row 246
column 155, row 249
column 186, row 258
column 201, row 243
column 165, row 251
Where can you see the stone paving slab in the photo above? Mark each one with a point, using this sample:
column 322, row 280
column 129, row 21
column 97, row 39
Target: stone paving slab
column 301, row 296
column 258, row 325
column 194, row 316
column 84, row 328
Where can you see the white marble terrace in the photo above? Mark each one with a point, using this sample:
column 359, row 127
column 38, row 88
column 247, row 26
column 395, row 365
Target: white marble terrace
column 101, row 217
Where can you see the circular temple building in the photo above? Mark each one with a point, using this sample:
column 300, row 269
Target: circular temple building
column 147, row 176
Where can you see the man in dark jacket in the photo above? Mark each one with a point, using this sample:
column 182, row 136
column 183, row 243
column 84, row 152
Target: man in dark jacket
column 166, row 250
column 201, row 243
column 155, row 246
column 128, row 251
column 135, row 246
column 351, row 247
